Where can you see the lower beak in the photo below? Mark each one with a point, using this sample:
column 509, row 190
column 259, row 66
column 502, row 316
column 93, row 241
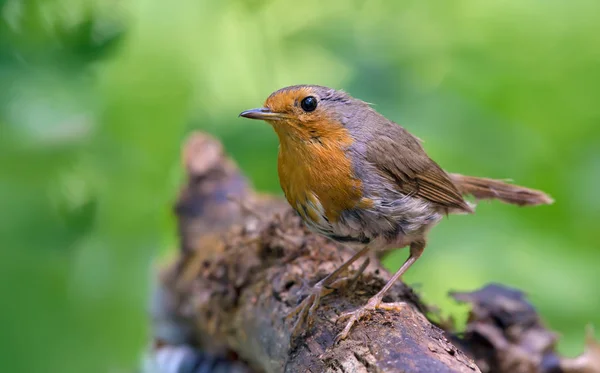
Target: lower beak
column 261, row 113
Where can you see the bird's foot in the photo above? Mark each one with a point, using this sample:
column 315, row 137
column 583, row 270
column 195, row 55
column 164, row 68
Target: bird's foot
column 306, row 309
column 354, row 316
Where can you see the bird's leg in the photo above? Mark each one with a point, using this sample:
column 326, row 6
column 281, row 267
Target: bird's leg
column 350, row 282
column 305, row 310
column 416, row 249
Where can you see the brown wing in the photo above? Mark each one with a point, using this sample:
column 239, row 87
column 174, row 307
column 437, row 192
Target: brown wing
column 399, row 155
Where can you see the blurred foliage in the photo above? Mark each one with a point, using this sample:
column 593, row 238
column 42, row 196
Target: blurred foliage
column 96, row 97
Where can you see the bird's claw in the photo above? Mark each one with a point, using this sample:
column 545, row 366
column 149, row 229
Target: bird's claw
column 354, row 316
column 306, row 309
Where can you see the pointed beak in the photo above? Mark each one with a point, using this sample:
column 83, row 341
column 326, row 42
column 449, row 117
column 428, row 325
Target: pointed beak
column 261, row 113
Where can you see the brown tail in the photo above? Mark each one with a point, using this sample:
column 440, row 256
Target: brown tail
column 482, row 188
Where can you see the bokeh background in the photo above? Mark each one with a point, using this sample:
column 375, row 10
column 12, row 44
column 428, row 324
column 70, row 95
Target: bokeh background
column 96, row 97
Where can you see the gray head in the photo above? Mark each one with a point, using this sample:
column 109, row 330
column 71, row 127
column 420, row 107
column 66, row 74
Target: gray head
column 300, row 108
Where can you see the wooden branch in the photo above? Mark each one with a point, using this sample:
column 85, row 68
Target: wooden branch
column 505, row 334
column 247, row 260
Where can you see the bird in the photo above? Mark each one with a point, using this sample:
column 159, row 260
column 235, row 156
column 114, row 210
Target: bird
column 362, row 180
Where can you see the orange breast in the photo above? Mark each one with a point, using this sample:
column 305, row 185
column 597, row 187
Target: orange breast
column 315, row 174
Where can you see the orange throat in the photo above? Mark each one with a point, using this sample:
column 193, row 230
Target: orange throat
column 315, row 173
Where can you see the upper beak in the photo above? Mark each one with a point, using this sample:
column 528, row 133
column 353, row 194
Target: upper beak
column 261, row 113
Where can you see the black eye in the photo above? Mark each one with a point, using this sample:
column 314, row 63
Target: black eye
column 309, row 103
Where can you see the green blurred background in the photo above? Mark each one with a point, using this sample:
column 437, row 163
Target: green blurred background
column 96, row 97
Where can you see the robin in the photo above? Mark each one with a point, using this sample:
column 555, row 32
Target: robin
column 362, row 180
